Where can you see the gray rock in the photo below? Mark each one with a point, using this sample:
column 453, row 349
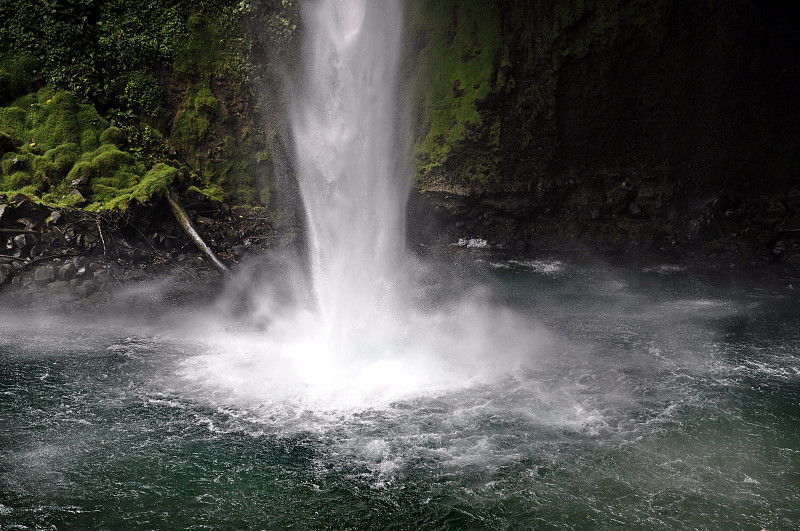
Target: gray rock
column 90, row 237
column 24, row 241
column 44, row 274
column 693, row 229
column 635, row 211
column 621, row 198
column 28, row 223
column 59, row 287
column 84, row 272
column 54, row 216
column 794, row 262
column 67, row 271
column 102, row 275
column 5, row 273
column 89, row 287
column 2, row 211
column 133, row 274
column 78, row 198
column 779, row 249
column 38, row 250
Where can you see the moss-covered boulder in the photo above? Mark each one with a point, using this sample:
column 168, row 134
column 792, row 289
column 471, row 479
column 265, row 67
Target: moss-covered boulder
column 60, row 151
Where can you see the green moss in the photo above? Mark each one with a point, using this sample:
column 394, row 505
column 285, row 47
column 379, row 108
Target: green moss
column 112, row 135
column 63, row 157
column 232, row 171
column 459, row 67
column 142, row 93
column 576, row 28
column 7, row 143
column 82, row 171
column 12, row 122
column 154, row 183
column 17, row 180
column 192, row 124
column 16, row 71
column 109, row 160
column 210, row 48
column 57, row 118
column 213, row 192
column 12, row 162
column 62, row 145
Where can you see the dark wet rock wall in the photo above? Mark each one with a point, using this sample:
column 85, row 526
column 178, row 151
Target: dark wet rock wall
column 632, row 126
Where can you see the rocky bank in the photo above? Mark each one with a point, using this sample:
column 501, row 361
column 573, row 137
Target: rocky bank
column 69, row 258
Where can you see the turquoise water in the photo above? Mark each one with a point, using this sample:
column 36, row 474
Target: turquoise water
column 663, row 398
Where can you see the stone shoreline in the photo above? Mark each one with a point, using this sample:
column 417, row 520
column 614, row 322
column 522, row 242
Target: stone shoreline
column 57, row 258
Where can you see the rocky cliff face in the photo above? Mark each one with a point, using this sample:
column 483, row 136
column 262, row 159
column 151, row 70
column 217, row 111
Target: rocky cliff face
column 642, row 125
column 624, row 126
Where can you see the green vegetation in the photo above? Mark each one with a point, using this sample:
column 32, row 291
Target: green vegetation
column 64, row 153
column 488, row 80
column 87, row 94
column 459, row 69
column 192, row 123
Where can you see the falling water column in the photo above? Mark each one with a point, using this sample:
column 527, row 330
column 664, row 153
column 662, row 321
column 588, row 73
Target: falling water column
column 351, row 162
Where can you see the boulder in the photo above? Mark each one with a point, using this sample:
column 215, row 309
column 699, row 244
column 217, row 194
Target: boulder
column 44, row 274
column 693, row 228
column 635, row 211
column 59, row 287
column 67, row 271
column 77, row 198
column 794, row 262
column 621, row 198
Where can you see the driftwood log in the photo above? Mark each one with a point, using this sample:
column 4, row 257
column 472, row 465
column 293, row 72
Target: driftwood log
column 188, row 228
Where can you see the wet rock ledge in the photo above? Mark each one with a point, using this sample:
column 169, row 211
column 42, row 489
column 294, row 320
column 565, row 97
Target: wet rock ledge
column 61, row 258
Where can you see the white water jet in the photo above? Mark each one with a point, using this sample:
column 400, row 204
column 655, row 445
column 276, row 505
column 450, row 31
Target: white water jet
column 374, row 333
column 350, row 159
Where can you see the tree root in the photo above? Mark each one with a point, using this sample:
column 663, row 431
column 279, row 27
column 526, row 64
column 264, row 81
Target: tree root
column 188, row 228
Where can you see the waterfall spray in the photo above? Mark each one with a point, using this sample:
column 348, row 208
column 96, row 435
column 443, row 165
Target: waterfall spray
column 383, row 326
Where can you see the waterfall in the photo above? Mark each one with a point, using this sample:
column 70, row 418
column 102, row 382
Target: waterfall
column 346, row 124
column 385, row 326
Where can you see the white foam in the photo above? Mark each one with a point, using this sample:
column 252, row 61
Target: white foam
column 472, row 243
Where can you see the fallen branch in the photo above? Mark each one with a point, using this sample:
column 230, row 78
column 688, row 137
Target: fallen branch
column 188, row 228
column 19, row 231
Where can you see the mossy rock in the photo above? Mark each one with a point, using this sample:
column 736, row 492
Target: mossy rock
column 63, row 157
column 82, row 173
column 12, row 122
column 155, row 183
column 7, row 144
column 112, row 135
column 14, row 162
column 459, row 71
column 18, row 180
column 109, row 160
column 61, row 143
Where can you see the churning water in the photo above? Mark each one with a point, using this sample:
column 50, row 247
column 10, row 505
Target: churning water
column 659, row 401
column 386, row 393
